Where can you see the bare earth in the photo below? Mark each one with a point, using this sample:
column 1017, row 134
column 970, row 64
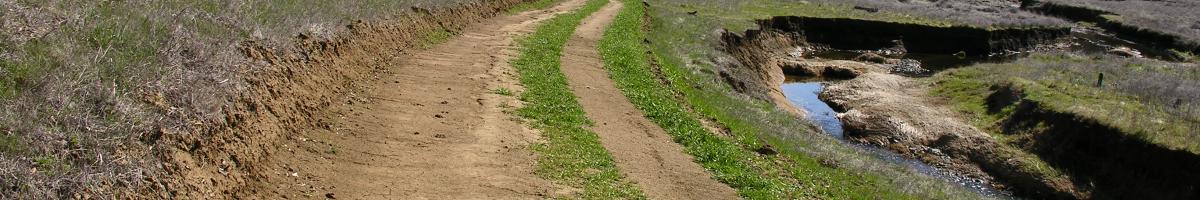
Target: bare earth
column 642, row 150
column 432, row 129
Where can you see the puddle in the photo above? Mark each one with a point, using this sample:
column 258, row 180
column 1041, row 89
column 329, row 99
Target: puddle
column 804, row 93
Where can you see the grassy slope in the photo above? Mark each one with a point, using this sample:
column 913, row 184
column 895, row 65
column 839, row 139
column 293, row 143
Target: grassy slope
column 731, row 159
column 1064, row 83
column 572, row 154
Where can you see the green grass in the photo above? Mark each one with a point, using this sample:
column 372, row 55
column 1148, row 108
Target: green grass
column 434, row 37
column 571, row 154
column 730, row 160
column 539, row 4
column 503, row 91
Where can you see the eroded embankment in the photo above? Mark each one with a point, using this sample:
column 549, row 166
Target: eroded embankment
column 854, row 34
column 761, row 54
column 1106, row 20
column 890, row 110
column 288, row 91
column 1114, row 164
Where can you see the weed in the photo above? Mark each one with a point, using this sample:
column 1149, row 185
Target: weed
column 435, row 37
column 503, row 91
column 571, row 154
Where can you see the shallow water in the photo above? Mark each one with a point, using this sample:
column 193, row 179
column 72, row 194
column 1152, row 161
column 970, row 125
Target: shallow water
column 805, row 95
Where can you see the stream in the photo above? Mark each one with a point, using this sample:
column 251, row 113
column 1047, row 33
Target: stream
column 804, row 93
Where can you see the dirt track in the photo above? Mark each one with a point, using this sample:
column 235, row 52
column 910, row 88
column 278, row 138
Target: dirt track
column 433, row 129
column 642, row 150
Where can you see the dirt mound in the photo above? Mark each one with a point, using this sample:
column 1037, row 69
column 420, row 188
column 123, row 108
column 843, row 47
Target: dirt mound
column 289, row 91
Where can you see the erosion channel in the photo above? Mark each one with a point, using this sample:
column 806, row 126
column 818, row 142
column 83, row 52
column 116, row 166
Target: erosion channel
column 864, row 82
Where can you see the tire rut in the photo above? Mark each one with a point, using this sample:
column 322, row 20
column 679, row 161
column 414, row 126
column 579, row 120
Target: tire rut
column 643, row 151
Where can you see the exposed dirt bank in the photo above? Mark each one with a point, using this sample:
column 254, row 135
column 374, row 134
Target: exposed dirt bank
column 642, row 150
column 289, row 92
column 1107, row 21
column 760, row 54
column 854, row 34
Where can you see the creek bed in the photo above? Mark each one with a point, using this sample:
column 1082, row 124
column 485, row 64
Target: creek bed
column 804, row 93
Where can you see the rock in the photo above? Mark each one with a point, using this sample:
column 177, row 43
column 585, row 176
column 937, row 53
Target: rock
column 329, row 195
column 908, row 67
column 439, row 136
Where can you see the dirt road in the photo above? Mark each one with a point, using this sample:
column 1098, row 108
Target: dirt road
column 642, row 150
column 433, row 129
column 436, row 127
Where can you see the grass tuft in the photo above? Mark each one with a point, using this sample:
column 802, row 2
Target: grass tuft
column 503, row 91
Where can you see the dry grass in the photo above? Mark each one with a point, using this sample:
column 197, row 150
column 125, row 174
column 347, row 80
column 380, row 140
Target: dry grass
column 1149, row 99
column 1176, row 17
column 985, row 13
column 85, row 86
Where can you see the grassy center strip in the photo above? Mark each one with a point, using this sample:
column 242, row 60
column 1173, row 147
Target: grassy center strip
column 571, row 154
column 730, row 160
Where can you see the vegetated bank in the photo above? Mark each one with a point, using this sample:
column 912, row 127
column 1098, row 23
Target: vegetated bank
column 787, row 157
column 1130, row 134
column 138, row 128
column 1155, row 126
column 867, row 100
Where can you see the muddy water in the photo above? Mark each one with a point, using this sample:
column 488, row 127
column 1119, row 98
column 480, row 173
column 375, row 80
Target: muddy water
column 804, row 93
